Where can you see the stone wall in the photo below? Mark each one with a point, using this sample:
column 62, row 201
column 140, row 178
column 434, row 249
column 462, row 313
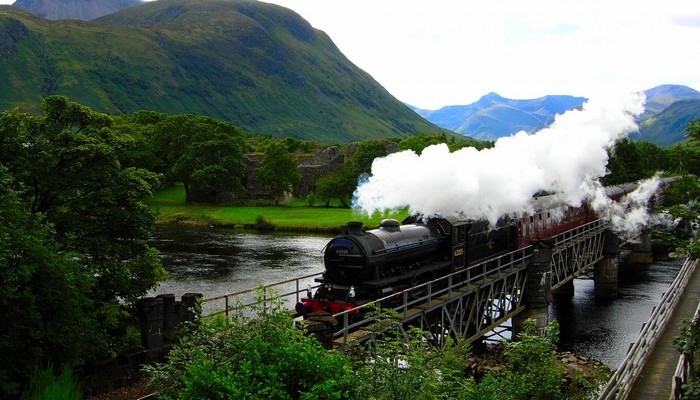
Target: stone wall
column 312, row 167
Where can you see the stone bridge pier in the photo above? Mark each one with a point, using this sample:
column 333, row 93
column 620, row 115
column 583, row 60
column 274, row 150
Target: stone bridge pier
column 605, row 271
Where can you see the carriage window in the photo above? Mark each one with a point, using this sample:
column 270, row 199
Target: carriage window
column 540, row 222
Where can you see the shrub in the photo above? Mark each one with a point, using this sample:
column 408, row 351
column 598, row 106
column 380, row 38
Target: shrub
column 45, row 385
column 262, row 357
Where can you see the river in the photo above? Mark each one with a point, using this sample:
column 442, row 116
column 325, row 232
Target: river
column 216, row 261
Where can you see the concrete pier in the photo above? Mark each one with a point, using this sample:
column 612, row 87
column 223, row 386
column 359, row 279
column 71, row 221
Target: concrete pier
column 605, row 273
column 539, row 294
column 641, row 251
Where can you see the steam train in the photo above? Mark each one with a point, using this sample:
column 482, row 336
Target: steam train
column 365, row 265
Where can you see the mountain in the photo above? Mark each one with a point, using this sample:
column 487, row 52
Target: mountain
column 660, row 97
column 258, row 65
column 74, row 9
column 493, row 116
column 668, row 109
column 668, row 127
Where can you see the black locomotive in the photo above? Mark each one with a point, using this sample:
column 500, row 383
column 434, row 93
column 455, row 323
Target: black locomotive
column 361, row 266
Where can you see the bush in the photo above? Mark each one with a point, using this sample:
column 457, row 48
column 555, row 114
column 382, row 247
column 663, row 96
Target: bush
column 403, row 365
column 533, row 372
column 45, row 385
column 263, row 357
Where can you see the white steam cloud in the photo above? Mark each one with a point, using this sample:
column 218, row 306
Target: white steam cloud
column 566, row 158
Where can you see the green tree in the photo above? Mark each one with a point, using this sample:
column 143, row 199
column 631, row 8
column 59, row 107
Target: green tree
column 333, row 186
column 625, row 163
column 693, row 130
column 206, row 155
column 43, row 295
column 364, row 156
column 279, row 170
column 66, row 165
column 420, row 141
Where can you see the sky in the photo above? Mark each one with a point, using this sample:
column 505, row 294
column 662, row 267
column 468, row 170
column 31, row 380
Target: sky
column 451, row 52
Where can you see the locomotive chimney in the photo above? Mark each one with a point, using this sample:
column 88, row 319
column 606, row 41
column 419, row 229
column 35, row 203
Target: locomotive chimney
column 355, row 227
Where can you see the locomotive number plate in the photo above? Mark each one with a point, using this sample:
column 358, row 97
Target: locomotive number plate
column 459, row 251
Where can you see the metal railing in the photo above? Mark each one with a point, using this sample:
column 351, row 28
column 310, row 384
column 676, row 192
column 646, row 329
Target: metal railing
column 684, row 369
column 289, row 292
column 622, row 381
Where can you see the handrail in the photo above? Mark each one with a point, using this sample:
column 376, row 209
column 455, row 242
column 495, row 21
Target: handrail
column 620, row 384
column 684, row 369
column 294, row 294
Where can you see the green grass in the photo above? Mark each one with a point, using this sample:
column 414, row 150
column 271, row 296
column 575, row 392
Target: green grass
column 170, row 207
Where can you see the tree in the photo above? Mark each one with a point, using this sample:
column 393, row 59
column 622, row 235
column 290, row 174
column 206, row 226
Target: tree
column 43, row 295
column 625, row 163
column 419, row 142
column 363, row 157
column 206, row 155
column 279, row 170
column 343, row 183
column 66, row 167
column 693, row 130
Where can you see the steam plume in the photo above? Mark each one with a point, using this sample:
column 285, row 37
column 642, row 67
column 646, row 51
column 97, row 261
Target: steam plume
column 566, row 158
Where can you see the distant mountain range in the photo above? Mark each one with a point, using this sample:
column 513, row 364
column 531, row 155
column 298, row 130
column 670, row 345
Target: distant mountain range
column 74, row 9
column 667, row 111
column 258, row 65
column 493, row 116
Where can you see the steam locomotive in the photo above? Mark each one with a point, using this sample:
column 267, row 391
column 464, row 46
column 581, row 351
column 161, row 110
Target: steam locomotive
column 365, row 265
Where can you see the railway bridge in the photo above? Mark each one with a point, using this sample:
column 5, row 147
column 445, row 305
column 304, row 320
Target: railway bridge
column 476, row 302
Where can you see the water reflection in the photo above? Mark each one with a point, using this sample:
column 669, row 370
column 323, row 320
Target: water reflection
column 216, row 261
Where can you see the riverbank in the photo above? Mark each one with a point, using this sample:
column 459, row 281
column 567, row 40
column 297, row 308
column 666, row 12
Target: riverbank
column 294, row 216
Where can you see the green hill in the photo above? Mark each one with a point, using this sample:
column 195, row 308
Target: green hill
column 669, row 126
column 257, row 65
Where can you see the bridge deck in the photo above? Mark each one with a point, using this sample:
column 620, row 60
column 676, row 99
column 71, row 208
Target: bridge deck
column 657, row 375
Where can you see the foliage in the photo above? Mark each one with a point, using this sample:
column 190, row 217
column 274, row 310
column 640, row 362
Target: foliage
column 279, row 170
column 311, row 200
column 683, row 191
column 83, row 257
column 693, row 130
column 342, row 184
column 204, row 154
column 403, row 365
column 264, row 357
column 45, row 385
column 627, row 163
column 533, row 372
column 688, row 343
column 46, row 312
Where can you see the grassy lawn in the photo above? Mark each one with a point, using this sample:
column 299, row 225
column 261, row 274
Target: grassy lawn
column 170, row 207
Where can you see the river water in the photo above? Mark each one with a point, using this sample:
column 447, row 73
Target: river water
column 216, row 261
